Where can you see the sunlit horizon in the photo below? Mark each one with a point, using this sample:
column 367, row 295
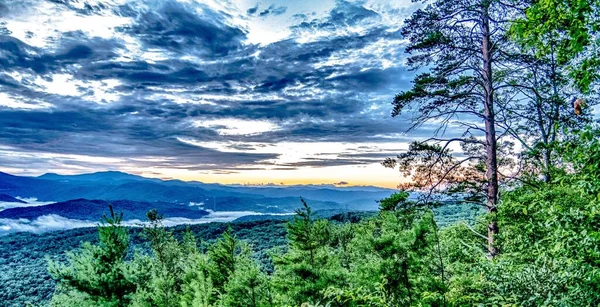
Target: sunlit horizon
column 280, row 92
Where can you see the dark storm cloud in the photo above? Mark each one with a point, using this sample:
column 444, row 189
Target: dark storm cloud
column 205, row 61
column 89, row 8
column 75, row 48
column 179, row 27
column 144, row 73
column 3, row 10
column 315, row 162
column 252, row 10
column 345, row 13
column 352, row 129
column 273, row 10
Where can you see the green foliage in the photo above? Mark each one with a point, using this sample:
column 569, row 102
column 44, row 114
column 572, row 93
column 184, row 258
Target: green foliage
column 248, row 285
column 223, row 256
column 308, row 267
column 568, row 28
column 549, row 254
column 549, row 244
column 23, row 256
column 304, row 234
column 551, row 234
column 583, row 153
column 97, row 275
column 173, row 265
column 393, row 202
column 393, row 263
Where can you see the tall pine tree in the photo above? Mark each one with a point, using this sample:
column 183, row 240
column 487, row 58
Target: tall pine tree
column 459, row 42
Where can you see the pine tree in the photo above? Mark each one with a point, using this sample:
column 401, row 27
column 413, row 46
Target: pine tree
column 174, row 267
column 97, row 274
column 308, row 267
column 301, row 231
column 247, row 286
column 460, row 42
column 222, row 256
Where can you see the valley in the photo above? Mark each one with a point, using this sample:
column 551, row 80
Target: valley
column 57, row 202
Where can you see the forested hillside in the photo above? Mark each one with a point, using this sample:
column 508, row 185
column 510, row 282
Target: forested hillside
column 507, row 90
column 548, row 255
column 24, row 256
column 92, row 210
column 498, row 202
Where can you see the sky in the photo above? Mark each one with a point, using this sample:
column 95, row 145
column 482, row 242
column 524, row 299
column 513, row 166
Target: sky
column 284, row 92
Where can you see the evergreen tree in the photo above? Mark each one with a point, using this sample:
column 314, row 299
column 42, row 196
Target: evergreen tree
column 307, row 268
column 394, row 260
column 223, row 256
column 247, row 285
column 302, row 232
column 173, row 268
column 461, row 43
column 97, row 275
column 197, row 288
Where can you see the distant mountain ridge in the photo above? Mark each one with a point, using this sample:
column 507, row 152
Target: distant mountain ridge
column 108, row 176
column 93, row 210
column 113, row 185
column 10, row 199
column 115, row 176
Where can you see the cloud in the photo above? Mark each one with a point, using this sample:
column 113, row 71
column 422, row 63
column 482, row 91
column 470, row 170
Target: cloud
column 137, row 78
column 251, row 11
column 55, row 222
column 12, row 103
column 341, row 183
column 30, row 202
column 299, row 154
column 273, row 10
column 41, row 224
column 3, row 9
column 233, row 126
column 345, row 14
column 179, row 27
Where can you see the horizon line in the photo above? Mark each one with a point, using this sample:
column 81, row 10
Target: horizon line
column 165, row 179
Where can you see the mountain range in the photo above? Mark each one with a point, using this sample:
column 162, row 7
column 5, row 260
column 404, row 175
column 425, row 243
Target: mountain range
column 10, row 199
column 86, row 197
column 122, row 186
column 93, row 210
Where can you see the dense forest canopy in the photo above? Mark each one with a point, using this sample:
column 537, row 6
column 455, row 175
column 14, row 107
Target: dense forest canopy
column 519, row 81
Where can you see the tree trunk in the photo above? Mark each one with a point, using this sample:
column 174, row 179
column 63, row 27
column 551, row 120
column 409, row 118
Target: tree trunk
column 253, row 296
column 490, row 130
column 555, row 118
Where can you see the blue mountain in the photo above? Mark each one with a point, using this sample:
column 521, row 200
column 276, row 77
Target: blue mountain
column 93, row 210
column 103, row 177
column 110, row 186
column 9, row 199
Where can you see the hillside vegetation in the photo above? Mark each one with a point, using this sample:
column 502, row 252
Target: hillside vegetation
column 513, row 86
column 24, row 256
column 508, row 91
column 83, row 209
column 548, row 256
